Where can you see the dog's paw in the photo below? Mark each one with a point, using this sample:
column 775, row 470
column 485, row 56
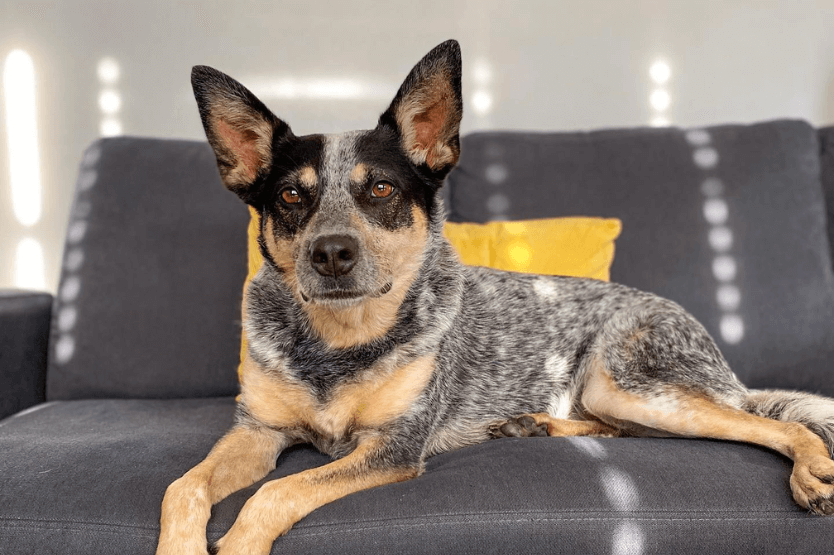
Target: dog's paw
column 520, row 426
column 812, row 484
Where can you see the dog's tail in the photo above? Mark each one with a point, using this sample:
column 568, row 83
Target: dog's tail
column 814, row 411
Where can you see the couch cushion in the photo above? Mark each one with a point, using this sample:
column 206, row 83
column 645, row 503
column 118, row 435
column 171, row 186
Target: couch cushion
column 149, row 299
column 728, row 221
column 89, row 476
column 582, row 247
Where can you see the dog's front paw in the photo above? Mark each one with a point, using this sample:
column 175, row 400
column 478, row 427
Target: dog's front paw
column 812, row 483
column 521, row 426
column 188, row 548
column 234, row 543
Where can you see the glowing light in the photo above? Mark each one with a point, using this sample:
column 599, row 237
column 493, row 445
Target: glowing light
column 290, row 88
column 716, row 211
column 720, row 238
column 728, row 297
column 482, row 102
column 520, row 253
column 620, row 489
column 660, row 100
column 591, row 447
column 698, row 137
column 110, row 127
column 660, row 72
column 498, row 203
column 110, row 102
column 66, row 318
column 481, row 72
column 70, row 289
column 732, row 328
column 628, row 539
column 28, row 268
column 64, row 349
column 660, row 121
column 705, row 158
column 108, row 71
column 496, row 173
column 21, row 130
column 724, row 268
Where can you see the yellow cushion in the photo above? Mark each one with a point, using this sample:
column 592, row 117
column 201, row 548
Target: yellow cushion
column 580, row 247
column 576, row 246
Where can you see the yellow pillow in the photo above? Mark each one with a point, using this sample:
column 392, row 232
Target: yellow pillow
column 581, row 247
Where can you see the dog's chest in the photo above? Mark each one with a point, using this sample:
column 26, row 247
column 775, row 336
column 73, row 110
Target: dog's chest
column 374, row 399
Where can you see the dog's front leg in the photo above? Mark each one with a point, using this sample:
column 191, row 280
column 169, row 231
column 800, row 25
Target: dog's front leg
column 279, row 504
column 241, row 457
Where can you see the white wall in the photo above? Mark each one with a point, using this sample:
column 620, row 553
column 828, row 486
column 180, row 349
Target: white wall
column 557, row 65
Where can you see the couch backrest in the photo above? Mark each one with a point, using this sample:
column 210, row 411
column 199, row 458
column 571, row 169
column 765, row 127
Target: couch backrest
column 728, row 221
column 149, row 299
column 826, row 139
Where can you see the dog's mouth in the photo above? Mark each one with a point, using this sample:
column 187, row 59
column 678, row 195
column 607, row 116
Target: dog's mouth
column 345, row 296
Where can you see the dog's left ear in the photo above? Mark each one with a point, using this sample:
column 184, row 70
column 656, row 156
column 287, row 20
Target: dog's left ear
column 427, row 110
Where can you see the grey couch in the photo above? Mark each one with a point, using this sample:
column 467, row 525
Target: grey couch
column 126, row 378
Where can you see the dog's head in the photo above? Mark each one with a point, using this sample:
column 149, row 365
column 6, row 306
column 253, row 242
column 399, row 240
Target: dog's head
column 347, row 217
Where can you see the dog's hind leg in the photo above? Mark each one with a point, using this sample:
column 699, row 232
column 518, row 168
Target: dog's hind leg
column 687, row 412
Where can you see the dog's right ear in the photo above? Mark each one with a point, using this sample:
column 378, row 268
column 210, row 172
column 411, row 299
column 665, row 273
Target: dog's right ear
column 240, row 129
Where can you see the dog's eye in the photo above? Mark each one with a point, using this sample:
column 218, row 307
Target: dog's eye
column 382, row 189
column 290, row 196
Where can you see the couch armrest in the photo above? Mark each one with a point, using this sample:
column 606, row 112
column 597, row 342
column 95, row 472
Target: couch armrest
column 24, row 337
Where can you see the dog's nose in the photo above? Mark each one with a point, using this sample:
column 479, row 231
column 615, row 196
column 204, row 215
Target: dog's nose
column 334, row 255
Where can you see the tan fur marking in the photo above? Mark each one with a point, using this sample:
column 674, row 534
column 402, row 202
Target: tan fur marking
column 400, row 254
column 359, row 174
column 241, row 458
column 307, row 177
column 282, row 254
column 279, row 504
column 369, row 403
column 560, row 427
column 274, row 400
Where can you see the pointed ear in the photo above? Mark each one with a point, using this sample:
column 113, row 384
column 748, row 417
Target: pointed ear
column 427, row 110
column 240, row 129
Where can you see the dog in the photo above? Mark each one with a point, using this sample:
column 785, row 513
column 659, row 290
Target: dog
column 369, row 339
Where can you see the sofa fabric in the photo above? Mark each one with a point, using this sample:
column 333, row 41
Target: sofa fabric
column 100, row 468
column 149, row 299
column 24, row 335
column 826, row 138
column 728, row 221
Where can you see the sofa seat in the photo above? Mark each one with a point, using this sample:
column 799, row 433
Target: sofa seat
column 89, row 476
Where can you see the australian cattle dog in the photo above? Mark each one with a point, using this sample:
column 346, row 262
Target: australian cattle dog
column 368, row 338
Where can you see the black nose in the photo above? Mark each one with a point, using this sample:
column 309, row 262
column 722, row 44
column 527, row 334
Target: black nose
column 334, row 255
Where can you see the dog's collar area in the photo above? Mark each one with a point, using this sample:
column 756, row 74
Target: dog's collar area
column 382, row 291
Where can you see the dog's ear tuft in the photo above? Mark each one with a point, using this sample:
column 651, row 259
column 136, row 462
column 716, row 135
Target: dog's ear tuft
column 427, row 110
column 239, row 127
